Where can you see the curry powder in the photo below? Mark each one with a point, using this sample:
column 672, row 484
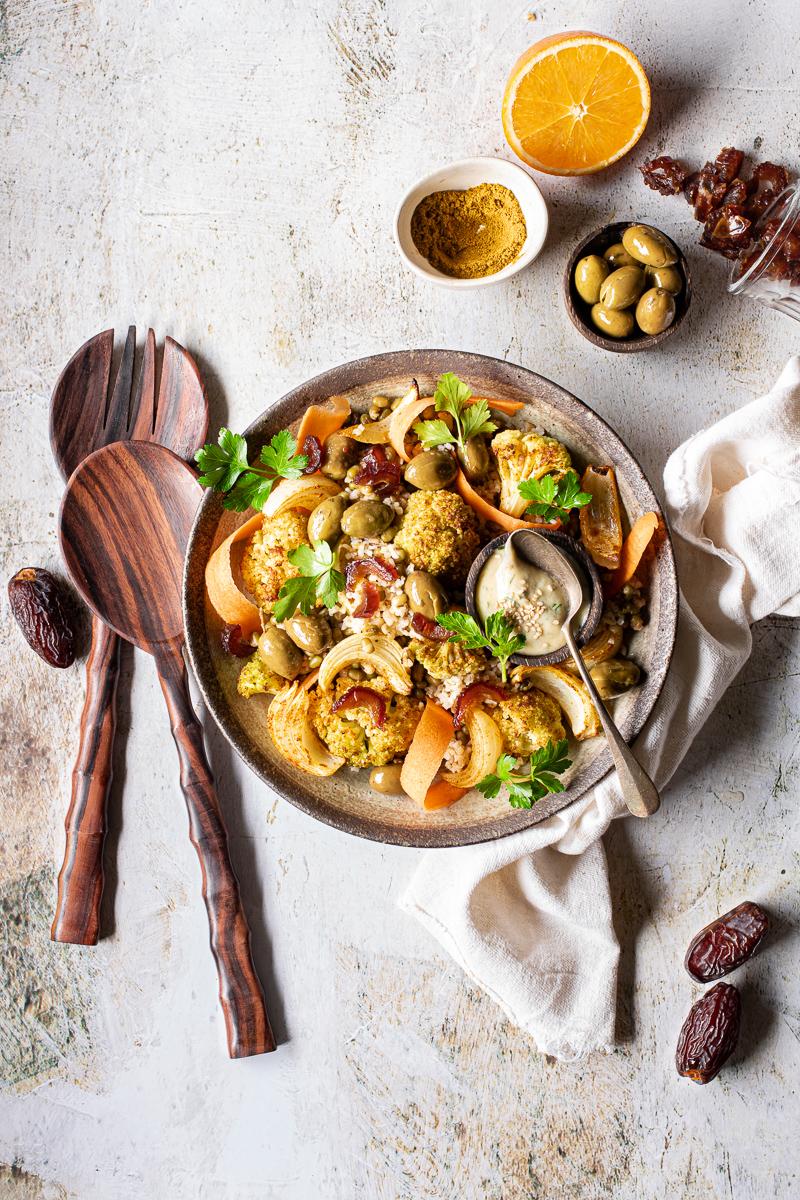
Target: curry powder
column 469, row 234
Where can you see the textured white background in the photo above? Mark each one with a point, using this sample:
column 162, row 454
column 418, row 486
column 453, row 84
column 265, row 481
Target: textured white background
column 228, row 172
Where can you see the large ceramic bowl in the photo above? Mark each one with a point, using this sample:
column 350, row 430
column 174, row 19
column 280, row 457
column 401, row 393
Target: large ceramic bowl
column 345, row 800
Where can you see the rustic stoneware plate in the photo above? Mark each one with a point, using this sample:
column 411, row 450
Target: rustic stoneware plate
column 345, row 799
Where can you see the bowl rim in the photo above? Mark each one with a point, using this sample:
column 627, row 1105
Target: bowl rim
column 360, row 372
column 572, row 301
column 433, row 181
column 572, row 547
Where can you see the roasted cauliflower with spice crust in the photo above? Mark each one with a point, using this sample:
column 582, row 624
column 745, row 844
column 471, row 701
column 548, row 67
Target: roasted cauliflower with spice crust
column 444, row 659
column 265, row 565
column 353, row 734
column 522, row 456
column 255, row 677
column 439, row 533
column 528, row 721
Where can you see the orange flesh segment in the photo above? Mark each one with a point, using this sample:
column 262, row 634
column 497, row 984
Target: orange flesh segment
column 575, row 103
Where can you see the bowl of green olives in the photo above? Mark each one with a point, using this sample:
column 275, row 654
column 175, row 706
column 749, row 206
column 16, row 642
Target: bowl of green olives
column 627, row 287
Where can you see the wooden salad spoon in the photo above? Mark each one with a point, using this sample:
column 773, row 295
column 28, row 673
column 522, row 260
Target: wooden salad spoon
column 125, row 522
column 85, row 414
column 638, row 790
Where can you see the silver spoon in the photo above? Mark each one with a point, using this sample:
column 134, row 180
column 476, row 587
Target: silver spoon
column 638, row 790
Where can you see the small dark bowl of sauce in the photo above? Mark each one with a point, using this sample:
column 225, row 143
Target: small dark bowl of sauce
column 500, row 579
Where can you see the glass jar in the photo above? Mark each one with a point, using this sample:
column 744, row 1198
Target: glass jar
column 769, row 269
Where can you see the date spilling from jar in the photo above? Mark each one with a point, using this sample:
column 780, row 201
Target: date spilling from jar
column 727, row 942
column 709, row 1034
column 44, row 615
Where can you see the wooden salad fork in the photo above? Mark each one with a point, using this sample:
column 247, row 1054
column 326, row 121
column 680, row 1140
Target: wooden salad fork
column 125, row 523
column 84, row 417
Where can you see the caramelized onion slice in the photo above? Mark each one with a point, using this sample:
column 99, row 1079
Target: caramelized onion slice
column 487, row 746
column 292, row 734
column 306, row 492
column 375, row 650
column 601, row 520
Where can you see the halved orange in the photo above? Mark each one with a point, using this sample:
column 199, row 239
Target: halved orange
column 575, row 103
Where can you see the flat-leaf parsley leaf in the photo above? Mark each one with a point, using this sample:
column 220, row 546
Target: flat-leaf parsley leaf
column 525, row 788
column 553, row 499
column 499, row 637
column 470, row 418
column 318, row 580
column 225, row 468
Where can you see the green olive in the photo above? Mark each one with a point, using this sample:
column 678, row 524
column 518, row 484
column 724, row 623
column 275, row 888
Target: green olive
column 623, row 287
column 613, row 322
column 431, row 470
column 649, row 246
column 425, row 594
column 655, row 312
column 474, row 458
column 341, row 452
column 366, row 519
column 325, row 522
column 279, row 652
column 386, row 780
column 615, row 676
column 311, row 633
column 589, row 274
column 617, row 256
column 668, row 278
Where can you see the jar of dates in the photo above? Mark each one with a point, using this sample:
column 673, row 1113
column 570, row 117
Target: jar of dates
column 768, row 269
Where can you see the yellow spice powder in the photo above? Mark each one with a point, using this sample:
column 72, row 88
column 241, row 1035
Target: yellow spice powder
column 469, row 234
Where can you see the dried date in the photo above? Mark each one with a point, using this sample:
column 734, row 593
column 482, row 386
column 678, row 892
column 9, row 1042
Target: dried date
column 709, row 1034
column 233, row 642
column 44, row 615
column 665, row 174
column 727, row 230
column 727, row 942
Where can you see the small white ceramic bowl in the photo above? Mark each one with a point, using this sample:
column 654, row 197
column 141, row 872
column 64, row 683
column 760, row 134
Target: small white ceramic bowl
column 465, row 174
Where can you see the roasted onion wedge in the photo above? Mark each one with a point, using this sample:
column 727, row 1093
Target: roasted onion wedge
column 601, row 520
column 571, row 695
column 375, row 650
column 486, row 743
column 292, row 733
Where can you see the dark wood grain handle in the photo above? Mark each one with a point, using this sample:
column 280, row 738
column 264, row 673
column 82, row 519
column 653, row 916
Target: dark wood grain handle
column 240, row 993
column 80, row 880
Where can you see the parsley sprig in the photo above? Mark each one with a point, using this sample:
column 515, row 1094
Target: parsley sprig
column 319, row 579
column 226, row 469
column 453, row 397
column 499, row 637
column 525, row 788
column 553, row 499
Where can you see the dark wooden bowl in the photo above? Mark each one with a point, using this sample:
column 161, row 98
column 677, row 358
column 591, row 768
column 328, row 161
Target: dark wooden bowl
column 578, row 552
column 345, row 799
column 597, row 243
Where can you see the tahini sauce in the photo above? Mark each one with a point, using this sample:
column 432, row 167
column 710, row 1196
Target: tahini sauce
column 530, row 598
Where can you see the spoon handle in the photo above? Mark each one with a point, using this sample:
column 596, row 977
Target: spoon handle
column 242, row 999
column 638, row 790
column 80, row 880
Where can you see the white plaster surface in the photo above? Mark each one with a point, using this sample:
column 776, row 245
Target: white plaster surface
column 228, row 172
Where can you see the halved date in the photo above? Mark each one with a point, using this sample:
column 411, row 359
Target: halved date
column 709, row 1034
column 727, row 942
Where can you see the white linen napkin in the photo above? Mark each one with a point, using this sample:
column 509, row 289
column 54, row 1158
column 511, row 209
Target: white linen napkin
column 528, row 917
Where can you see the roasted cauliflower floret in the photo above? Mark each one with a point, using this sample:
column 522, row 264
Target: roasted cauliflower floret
column 523, row 456
column 528, row 721
column 255, row 677
column 353, row 734
column 439, row 533
column 443, row 659
column 265, row 565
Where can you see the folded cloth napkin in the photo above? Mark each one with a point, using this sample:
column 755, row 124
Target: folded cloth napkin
column 528, row 917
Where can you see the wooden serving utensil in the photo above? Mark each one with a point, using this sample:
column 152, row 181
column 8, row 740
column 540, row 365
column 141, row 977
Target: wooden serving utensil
column 125, row 522
column 84, row 416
